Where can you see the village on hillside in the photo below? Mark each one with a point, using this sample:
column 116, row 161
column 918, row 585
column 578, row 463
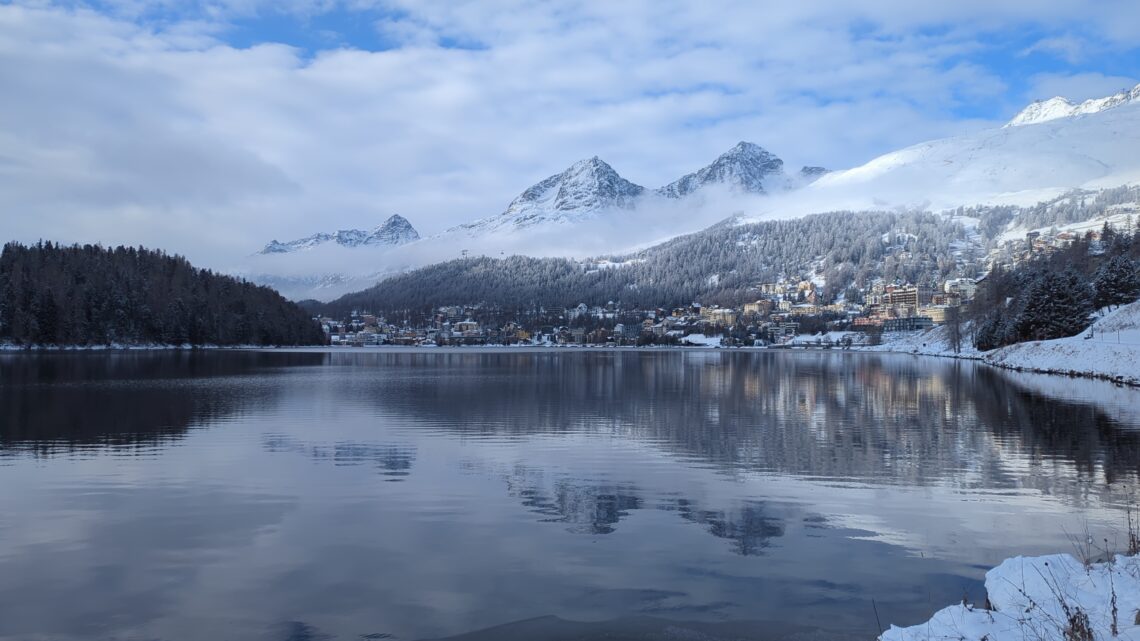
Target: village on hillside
column 785, row 309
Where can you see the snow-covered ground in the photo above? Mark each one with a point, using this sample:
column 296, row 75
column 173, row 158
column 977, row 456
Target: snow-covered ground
column 1046, row 598
column 932, row 342
column 1109, row 349
column 1118, row 217
column 701, row 340
column 826, row 338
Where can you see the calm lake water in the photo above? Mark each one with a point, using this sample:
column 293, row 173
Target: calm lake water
column 284, row 496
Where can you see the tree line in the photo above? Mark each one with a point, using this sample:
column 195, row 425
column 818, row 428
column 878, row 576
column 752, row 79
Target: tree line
column 720, row 265
column 52, row 294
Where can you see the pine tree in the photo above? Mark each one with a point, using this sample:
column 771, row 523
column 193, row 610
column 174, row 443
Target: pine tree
column 1117, row 282
column 46, row 314
column 993, row 332
column 1057, row 305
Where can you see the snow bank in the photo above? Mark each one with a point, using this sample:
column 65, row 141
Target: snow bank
column 1046, row 598
column 931, row 342
column 832, row 338
column 701, row 340
column 1109, row 349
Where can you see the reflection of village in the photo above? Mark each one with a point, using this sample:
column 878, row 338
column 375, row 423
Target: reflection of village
column 893, row 420
column 782, row 311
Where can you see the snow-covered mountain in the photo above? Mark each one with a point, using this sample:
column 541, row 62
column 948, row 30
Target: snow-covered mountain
column 1021, row 164
column 1059, row 107
column 1047, row 150
column 747, row 167
column 584, row 189
column 591, row 188
column 392, row 232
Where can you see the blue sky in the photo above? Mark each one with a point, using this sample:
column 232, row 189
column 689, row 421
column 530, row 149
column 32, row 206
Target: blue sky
column 208, row 127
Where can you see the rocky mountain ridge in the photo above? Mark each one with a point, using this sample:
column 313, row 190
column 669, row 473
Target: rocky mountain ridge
column 391, row 233
column 590, row 187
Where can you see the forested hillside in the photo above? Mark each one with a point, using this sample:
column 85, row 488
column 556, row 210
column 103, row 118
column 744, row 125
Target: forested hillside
column 1075, row 206
column 90, row 295
column 722, row 264
column 1054, row 295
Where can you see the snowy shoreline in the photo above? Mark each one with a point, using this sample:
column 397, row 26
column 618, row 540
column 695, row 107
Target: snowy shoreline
column 1109, row 350
column 1045, row 598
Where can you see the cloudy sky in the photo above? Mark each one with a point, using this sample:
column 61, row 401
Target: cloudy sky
column 208, row 128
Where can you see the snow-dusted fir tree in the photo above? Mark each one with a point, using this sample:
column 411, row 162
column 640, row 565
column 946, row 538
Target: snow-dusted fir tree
column 1117, row 282
column 1058, row 305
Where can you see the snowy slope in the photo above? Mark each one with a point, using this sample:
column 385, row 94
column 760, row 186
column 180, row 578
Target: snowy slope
column 1060, row 107
column 392, row 232
column 1109, row 349
column 1010, row 165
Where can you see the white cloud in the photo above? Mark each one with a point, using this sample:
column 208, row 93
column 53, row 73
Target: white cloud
column 1069, row 48
column 126, row 129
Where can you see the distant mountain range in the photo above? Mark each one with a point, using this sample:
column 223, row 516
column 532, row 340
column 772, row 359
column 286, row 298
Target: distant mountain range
column 391, row 233
column 583, row 191
column 590, row 187
column 1047, row 149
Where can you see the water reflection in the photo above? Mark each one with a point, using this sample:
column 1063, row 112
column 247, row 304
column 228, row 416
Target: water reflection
column 714, row 487
column 890, row 419
column 749, row 526
column 59, row 403
column 585, row 508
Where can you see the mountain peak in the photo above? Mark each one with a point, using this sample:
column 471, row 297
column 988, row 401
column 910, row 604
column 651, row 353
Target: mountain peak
column 746, row 167
column 589, row 184
column 593, row 164
column 1060, row 107
column 745, row 147
column 585, row 188
column 392, row 232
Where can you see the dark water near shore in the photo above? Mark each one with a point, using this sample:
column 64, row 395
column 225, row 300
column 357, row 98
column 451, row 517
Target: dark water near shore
column 287, row 496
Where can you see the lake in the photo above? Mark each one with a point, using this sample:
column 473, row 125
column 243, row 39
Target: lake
column 562, row 494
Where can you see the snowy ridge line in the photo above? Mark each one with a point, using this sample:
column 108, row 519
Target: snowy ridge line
column 1060, row 107
column 1045, row 598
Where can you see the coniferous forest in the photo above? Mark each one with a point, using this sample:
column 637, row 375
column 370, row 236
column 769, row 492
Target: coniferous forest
column 719, row 265
column 1054, row 295
column 90, row 295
